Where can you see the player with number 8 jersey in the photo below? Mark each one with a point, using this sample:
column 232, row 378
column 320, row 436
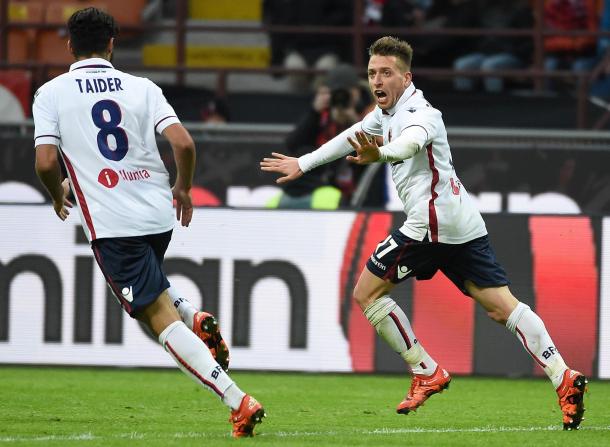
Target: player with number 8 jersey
column 104, row 122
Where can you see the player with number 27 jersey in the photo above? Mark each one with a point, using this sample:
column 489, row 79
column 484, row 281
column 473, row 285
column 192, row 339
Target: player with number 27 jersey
column 119, row 165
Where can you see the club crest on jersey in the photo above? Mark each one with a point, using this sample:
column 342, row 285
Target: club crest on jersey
column 108, row 178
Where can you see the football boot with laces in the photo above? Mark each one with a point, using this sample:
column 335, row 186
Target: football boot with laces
column 422, row 387
column 571, row 394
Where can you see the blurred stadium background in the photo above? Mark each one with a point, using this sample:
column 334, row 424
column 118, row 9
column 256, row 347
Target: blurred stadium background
column 535, row 155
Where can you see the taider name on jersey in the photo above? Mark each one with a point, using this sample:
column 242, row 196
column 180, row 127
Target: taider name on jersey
column 99, row 85
column 110, row 178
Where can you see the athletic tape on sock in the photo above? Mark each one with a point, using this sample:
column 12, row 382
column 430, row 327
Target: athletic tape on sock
column 380, row 309
column 515, row 316
column 414, row 355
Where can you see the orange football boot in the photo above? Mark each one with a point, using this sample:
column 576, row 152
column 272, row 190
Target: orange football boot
column 206, row 328
column 249, row 413
column 571, row 394
column 422, row 387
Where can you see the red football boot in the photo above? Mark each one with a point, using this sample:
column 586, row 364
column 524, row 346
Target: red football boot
column 422, row 387
column 249, row 413
column 571, row 394
column 206, row 328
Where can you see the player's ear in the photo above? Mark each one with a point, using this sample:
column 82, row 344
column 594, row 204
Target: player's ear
column 110, row 47
column 408, row 77
column 70, row 49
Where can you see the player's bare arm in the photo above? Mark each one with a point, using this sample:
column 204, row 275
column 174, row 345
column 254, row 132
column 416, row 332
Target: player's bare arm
column 184, row 154
column 49, row 172
column 282, row 164
column 366, row 149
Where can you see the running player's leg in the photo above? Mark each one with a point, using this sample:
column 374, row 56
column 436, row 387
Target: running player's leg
column 203, row 324
column 476, row 272
column 132, row 269
column 387, row 266
column 505, row 309
column 195, row 360
column 390, row 322
column 530, row 330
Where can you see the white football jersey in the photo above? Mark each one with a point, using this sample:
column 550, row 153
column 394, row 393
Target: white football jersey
column 104, row 123
column 436, row 203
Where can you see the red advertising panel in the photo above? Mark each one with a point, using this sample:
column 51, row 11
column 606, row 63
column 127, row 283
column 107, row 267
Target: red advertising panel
column 443, row 321
column 566, row 286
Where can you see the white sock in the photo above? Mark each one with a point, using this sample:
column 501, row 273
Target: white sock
column 530, row 330
column 195, row 360
column 393, row 326
column 184, row 307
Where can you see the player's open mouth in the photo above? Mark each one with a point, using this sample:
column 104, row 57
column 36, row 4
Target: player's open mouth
column 380, row 94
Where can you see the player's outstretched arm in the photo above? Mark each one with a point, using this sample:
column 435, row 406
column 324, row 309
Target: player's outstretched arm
column 49, row 173
column 184, row 154
column 282, row 164
column 293, row 168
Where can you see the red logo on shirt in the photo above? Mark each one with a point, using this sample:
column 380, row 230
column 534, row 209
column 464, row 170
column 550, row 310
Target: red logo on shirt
column 108, row 178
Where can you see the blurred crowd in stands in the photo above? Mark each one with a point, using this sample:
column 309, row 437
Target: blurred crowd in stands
column 463, row 53
column 320, row 52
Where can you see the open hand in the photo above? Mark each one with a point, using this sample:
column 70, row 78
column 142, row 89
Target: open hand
column 367, row 150
column 282, row 164
column 61, row 206
column 184, row 204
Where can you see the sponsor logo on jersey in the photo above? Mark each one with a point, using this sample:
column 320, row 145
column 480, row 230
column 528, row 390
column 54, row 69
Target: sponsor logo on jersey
column 403, row 271
column 130, row 176
column 108, row 178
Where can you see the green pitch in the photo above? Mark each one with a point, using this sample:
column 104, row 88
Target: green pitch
column 123, row 407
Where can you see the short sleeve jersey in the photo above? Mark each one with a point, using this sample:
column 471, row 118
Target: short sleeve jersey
column 436, row 203
column 104, row 122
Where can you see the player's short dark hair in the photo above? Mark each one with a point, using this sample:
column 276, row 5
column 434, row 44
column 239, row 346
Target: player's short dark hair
column 90, row 31
column 393, row 46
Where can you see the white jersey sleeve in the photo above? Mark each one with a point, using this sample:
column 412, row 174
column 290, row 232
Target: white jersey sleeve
column 329, row 151
column 409, row 143
column 164, row 114
column 339, row 146
column 46, row 121
column 371, row 123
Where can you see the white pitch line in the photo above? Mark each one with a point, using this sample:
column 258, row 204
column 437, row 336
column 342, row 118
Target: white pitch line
column 283, row 434
column 393, row 431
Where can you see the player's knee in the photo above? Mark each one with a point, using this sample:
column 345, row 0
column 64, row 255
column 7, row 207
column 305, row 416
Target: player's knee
column 363, row 299
column 498, row 316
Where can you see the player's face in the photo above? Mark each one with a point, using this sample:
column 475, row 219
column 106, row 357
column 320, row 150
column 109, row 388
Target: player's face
column 386, row 80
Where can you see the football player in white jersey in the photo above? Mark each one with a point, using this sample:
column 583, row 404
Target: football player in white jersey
column 443, row 230
column 102, row 122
